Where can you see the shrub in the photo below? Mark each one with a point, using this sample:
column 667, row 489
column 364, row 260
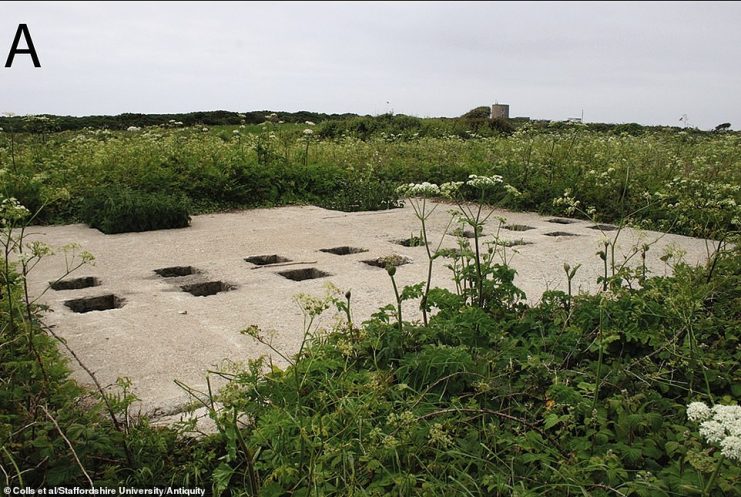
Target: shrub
column 123, row 211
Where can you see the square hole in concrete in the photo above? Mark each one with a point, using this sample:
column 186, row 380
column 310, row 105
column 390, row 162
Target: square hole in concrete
column 518, row 227
column 264, row 260
column 603, row 227
column 309, row 273
column 560, row 220
column 560, row 233
column 100, row 303
column 75, row 284
column 345, row 250
column 389, row 260
column 207, row 288
column 176, row 271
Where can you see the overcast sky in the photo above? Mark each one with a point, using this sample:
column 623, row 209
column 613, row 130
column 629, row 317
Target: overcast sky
column 620, row 62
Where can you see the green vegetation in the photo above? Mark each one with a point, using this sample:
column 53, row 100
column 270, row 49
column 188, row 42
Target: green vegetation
column 121, row 211
column 488, row 396
column 684, row 182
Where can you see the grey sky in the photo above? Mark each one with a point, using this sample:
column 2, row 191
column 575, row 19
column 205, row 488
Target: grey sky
column 620, row 62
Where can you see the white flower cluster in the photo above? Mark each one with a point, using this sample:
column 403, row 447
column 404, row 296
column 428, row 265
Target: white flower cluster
column 308, row 132
column 12, row 210
column 419, row 190
column 484, row 181
column 719, row 424
column 451, row 189
column 133, row 128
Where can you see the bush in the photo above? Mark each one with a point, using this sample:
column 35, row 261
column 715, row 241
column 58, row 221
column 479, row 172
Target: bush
column 123, row 211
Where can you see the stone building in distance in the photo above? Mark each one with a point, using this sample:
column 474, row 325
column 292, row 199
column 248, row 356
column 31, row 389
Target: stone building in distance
column 499, row 111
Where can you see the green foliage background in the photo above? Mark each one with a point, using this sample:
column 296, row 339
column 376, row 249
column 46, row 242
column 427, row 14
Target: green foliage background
column 680, row 181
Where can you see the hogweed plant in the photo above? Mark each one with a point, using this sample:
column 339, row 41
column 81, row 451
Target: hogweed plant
column 418, row 195
column 470, row 197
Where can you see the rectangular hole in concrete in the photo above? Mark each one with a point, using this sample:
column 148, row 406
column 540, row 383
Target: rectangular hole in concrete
column 176, row 271
column 389, row 260
column 75, row 284
column 304, row 274
column 603, row 227
column 518, row 227
column 101, row 303
column 264, row 260
column 560, row 220
column 207, row 288
column 345, row 250
column 560, row 233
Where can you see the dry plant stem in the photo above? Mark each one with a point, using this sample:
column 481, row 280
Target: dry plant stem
column 283, row 264
column 18, row 472
column 101, row 391
column 69, row 444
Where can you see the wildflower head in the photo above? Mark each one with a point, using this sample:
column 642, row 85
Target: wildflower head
column 731, row 448
column 484, row 182
column 11, row 210
column 425, row 189
column 698, row 412
column 719, row 425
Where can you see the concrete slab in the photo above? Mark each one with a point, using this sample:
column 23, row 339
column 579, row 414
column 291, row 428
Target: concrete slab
column 160, row 333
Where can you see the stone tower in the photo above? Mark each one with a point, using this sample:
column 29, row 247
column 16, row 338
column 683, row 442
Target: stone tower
column 500, row 111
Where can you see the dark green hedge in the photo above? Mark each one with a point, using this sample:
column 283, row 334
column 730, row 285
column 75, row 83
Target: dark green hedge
column 122, row 211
